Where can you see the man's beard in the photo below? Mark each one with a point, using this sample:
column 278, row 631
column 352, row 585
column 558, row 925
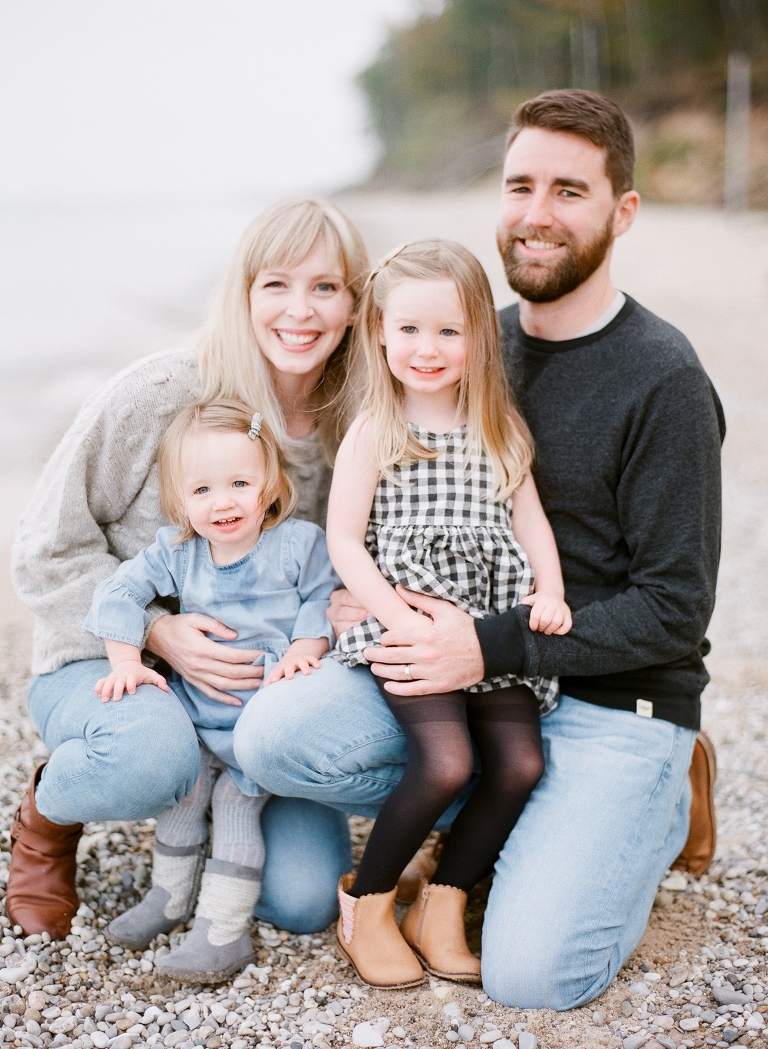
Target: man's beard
column 539, row 282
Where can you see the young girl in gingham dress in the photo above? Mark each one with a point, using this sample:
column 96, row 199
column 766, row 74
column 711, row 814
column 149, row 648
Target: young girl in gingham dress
column 427, row 483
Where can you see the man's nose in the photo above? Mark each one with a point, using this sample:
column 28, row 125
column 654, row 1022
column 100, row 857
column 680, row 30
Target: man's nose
column 539, row 211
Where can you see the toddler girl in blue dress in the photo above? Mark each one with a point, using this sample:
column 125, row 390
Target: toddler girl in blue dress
column 232, row 553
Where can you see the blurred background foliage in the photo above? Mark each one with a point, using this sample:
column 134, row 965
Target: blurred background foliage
column 442, row 91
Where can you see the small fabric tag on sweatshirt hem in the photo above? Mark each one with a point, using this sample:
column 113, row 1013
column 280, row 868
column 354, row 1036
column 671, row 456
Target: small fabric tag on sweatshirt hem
column 644, row 708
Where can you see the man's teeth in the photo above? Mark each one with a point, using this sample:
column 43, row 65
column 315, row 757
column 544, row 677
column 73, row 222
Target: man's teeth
column 292, row 339
column 540, row 245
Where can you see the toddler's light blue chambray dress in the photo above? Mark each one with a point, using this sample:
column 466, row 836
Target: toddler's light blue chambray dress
column 275, row 594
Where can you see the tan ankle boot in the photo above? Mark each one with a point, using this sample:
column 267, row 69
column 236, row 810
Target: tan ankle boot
column 369, row 938
column 421, row 868
column 434, row 927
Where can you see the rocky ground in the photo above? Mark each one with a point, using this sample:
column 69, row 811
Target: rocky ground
column 700, row 974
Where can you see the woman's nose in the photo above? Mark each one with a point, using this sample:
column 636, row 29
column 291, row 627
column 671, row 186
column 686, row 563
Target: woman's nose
column 299, row 306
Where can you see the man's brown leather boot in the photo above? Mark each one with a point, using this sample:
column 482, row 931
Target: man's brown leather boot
column 41, row 894
column 700, row 847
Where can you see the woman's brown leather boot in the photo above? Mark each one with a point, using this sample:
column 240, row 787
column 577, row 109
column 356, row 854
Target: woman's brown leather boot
column 434, row 927
column 41, row 895
column 369, row 938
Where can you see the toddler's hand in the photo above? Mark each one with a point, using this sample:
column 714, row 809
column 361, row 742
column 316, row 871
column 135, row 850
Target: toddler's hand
column 288, row 666
column 126, row 677
column 549, row 613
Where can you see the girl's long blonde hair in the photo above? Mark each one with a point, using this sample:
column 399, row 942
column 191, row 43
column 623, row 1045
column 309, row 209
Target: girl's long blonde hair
column 232, row 364
column 494, row 423
column 223, row 416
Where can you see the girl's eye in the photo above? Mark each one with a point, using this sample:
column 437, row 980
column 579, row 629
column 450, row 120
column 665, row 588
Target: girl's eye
column 201, row 490
column 409, row 329
column 449, row 331
column 239, row 484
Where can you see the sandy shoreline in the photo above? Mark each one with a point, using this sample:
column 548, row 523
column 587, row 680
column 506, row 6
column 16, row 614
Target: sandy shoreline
column 706, row 273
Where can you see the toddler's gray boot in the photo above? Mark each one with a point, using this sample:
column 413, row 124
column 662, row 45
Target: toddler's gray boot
column 175, row 880
column 219, row 944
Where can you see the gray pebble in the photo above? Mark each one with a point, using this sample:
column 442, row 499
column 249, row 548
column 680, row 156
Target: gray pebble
column 726, row 995
column 666, row 1041
column 527, row 1040
column 451, row 1036
column 634, row 1041
column 124, row 1041
column 466, row 1033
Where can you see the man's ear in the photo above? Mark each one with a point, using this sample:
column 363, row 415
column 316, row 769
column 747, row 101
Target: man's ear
column 626, row 210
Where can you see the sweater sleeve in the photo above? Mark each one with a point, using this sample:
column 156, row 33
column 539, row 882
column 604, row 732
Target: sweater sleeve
column 118, row 610
column 95, row 505
column 316, row 581
column 668, row 507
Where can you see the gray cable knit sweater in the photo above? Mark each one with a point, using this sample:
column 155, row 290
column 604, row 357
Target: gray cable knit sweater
column 97, row 503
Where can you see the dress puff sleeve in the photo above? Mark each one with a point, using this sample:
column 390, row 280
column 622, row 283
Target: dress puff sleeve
column 316, row 580
column 118, row 610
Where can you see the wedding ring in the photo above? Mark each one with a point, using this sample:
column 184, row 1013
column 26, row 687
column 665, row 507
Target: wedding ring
column 407, row 672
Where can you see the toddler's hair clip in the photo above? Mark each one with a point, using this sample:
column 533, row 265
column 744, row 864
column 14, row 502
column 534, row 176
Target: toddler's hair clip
column 255, row 427
column 384, row 262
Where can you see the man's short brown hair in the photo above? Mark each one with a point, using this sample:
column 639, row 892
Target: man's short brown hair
column 589, row 115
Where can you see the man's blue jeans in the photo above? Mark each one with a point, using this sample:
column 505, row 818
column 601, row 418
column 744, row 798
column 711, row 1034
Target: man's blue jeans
column 133, row 759
column 576, row 880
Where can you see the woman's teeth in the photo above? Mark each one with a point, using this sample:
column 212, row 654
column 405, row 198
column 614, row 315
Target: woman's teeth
column 294, row 339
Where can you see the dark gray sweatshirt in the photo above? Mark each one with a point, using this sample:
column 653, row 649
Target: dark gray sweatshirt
column 628, row 429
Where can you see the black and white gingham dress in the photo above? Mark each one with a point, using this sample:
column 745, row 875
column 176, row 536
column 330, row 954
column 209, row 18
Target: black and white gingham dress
column 440, row 533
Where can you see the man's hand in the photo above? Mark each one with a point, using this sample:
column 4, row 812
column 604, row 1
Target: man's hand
column 125, row 678
column 344, row 611
column 442, row 651
column 213, row 668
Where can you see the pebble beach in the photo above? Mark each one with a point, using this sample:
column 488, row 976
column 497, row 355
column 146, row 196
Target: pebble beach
column 700, row 975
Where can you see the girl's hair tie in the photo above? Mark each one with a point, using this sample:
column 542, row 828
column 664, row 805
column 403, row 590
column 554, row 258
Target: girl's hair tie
column 255, row 427
column 384, row 262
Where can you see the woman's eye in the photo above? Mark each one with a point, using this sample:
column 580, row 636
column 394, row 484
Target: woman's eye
column 326, row 286
column 274, row 284
column 200, row 491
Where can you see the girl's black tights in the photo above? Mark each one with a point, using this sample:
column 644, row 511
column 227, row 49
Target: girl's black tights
column 505, row 727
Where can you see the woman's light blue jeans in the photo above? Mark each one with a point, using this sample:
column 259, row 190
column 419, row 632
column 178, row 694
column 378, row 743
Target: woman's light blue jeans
column 576, row 880
column 133, row 759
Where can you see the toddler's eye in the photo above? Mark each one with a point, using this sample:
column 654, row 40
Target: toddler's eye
column 239, row 484
column 201, row 490
column 449, row 331
column 409, row 329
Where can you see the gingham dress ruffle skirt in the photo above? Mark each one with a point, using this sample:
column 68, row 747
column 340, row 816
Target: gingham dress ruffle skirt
column 439, row 532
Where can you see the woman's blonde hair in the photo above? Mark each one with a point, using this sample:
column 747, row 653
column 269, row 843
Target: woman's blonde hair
column 223, row 416
column 233, row 366
column 494, row 423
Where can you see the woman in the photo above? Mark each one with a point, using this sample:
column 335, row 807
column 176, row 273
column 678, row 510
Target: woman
column 277, row 337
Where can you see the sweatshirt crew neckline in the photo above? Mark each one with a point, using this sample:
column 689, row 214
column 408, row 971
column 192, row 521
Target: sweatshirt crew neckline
column 532, row 342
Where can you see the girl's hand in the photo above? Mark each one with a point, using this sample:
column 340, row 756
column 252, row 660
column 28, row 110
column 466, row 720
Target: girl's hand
column 344, row 611
column 549, row 613
column 288, row 666
column 302, row 655
column 126, row 677
column 213, row 668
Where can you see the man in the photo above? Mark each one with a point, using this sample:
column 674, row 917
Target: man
column 628, row 430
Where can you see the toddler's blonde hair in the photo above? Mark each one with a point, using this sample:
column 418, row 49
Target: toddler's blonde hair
column 222, row 416
column 232, row 364
column 494, row 423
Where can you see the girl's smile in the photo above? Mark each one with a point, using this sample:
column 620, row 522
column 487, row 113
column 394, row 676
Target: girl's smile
column 222, row 478
column 423, row 330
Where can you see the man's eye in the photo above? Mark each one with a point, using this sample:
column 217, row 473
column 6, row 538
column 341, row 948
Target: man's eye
column 201, row 490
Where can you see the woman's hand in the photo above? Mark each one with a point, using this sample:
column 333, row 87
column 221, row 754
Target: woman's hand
column 125, row 677
column 345, row 611
column 213, row 668
column 441, row 651
column 549, row 613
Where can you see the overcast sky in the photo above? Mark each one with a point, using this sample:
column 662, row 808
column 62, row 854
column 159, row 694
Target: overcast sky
column 187, row 99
